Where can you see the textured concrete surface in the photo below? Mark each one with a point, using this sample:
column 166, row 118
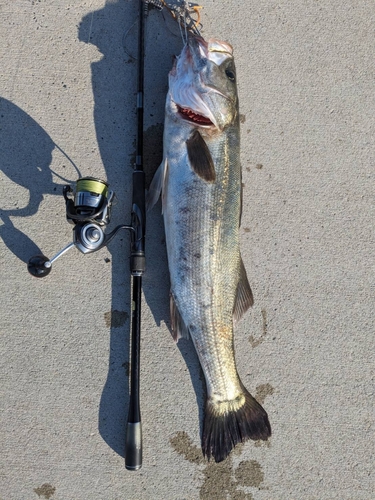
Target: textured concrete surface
column 306, row 86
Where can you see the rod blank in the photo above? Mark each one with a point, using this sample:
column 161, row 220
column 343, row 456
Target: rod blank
column 133, row 442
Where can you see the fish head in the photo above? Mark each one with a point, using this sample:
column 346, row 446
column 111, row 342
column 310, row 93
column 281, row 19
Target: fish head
column 202, row 84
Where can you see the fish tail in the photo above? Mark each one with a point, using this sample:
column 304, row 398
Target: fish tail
column 230, row 422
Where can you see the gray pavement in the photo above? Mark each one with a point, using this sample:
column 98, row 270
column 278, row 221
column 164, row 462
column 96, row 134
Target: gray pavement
column 306, row 349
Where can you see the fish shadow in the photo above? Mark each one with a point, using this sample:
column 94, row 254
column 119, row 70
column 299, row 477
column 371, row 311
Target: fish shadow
column 25, row 160
column 113, row 30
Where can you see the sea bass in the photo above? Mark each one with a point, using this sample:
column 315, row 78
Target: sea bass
column 200, row 181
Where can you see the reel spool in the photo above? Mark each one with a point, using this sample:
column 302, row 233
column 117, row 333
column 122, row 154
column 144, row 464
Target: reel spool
column 88, row 208
column 92, row 201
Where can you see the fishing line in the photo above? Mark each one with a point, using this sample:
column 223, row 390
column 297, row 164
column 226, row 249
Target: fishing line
column 124, row 41
column 70, row 160
column 183, row 15
column 91, row 23
column 185, row 10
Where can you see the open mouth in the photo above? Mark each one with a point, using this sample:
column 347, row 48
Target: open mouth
column 190, row 116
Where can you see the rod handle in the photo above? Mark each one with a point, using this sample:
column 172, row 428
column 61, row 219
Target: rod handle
column 133, row 446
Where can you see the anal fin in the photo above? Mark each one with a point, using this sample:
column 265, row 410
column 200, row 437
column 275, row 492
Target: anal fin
column 244, row 295
column 179, row 329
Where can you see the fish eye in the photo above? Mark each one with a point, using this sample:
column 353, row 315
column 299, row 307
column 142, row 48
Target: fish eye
column 230, row 74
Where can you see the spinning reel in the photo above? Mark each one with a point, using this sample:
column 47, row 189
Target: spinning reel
column 89, row 210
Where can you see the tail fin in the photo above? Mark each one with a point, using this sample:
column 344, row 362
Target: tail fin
column 230, row 422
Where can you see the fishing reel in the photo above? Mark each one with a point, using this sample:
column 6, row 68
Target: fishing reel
column 88, row 209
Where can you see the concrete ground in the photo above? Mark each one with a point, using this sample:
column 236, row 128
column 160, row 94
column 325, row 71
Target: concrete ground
column 67, row 108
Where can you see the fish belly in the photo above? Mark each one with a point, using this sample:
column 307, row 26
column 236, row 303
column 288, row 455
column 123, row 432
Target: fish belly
column 201, row 224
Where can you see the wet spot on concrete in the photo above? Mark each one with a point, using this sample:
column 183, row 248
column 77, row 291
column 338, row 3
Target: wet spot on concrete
column 250, row 473
column 264, row 326
column 262, row 391
column 242, row 118
column 262, row 444
column 46, row 491
column 255, row 341
column 182, row 443
column 220, row 480
column 115, row 319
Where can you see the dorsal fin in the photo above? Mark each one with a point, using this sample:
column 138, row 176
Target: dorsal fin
column 200, row 157
column 244, row 295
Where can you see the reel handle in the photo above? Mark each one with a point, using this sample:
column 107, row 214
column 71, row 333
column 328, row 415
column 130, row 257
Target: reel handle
column 40, row 266
column 87, row 237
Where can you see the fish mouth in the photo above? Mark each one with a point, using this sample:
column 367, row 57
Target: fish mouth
column 191, row 116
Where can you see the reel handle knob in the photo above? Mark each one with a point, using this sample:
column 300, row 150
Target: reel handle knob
column 39, row 266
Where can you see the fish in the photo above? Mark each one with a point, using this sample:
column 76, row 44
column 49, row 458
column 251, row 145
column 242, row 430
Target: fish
column 199, row 181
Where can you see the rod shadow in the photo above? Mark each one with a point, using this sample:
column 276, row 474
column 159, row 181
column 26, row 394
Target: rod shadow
column 113, row 30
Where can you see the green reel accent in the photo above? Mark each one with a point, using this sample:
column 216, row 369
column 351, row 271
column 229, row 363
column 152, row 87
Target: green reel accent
column 92, row 185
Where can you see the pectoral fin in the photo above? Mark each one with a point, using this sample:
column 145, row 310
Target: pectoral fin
column 244, row 295
column 200, row 157
column 157, row 185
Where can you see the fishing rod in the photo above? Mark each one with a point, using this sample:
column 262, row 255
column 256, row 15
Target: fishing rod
column 133, row 442
column 88, row 208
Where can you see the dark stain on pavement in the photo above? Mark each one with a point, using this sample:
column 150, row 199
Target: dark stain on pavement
column 262, row 391
column 256, row 341
column 46, row 490
column 264, row 316
column 182, row 443
column 221, row 480
column 115, row 319
column 250, row 473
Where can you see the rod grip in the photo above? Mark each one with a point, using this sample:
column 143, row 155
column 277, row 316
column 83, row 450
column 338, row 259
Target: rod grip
column 133, row 446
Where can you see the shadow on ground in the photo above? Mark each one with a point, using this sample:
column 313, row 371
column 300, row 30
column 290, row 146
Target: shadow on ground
column 25, row 158
column 113, row 30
